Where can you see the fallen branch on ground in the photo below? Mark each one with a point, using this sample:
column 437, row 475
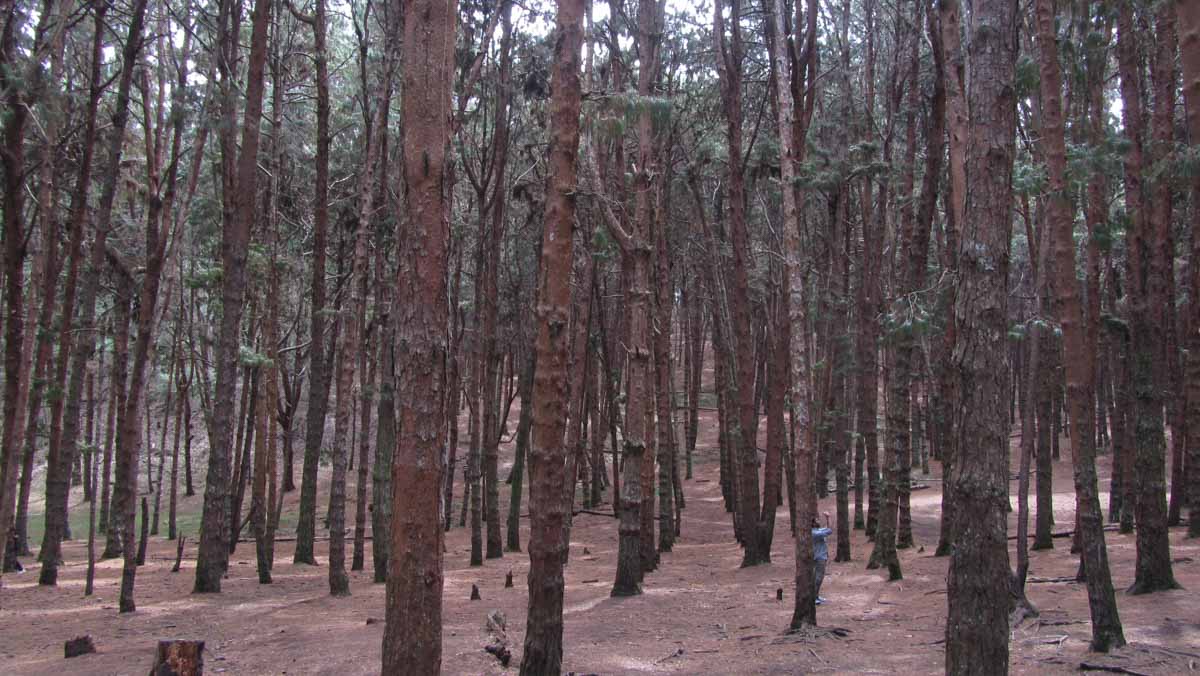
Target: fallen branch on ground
column 1089, row 666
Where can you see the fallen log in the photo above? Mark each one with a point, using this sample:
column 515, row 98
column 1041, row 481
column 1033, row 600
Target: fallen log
column 1068, row 533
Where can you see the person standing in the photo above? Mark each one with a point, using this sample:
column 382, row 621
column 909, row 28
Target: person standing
column 820, row 555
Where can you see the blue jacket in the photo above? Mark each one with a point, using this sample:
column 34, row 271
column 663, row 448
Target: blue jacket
column 820, row 549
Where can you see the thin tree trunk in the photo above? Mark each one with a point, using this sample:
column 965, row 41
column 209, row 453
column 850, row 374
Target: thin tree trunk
column 524, row 428
column 173, row 500
column 259, row 503
column 368, row 369
column 175, row 367
column 542, row 652
column 113, row 542
column 1026, row 372
column 243, row 466
column 319, row 355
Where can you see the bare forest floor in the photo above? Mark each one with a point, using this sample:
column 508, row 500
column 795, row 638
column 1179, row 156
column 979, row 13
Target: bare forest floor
column 700, row 613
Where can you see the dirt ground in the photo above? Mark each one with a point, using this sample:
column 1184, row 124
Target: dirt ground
column 700, row 613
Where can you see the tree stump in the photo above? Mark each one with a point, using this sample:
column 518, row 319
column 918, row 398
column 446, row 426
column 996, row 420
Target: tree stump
column 80, row 645
column 475, row 593
column 178, row 658
column 508, row 580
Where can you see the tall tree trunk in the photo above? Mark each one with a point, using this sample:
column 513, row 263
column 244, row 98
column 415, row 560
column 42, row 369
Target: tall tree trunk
column 579, row 371
column 1043, row 401
column 172, row 366
column 543, row 633
column 242, row 466
column 977, row 624
column 492, row 238
column 473, row 484
column 319, row 355
column 259, row 503
column 956, row 196
column 385, row 425
column 156, row 242
column 891, row 531
column 412, row 640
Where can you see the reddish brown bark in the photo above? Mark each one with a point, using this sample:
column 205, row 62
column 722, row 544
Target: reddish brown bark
column 543, row 632
column 977, row 590
column 412, row 640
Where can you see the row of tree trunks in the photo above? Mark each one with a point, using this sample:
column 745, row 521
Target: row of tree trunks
column 58, row 477
column 730, row 55
column 492, row 232
column 1106, row 624
column 45, row 272
column 1146, row 290
column 320, row 356
column 946, row 419
column 1189, row 44
column 239, row 178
